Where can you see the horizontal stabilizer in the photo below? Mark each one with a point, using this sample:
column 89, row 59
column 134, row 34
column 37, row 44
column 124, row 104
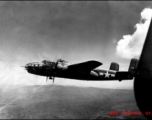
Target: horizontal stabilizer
column 133, row 66
column 123, row 75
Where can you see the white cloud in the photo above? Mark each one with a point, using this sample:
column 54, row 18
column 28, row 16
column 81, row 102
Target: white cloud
column 131, row 45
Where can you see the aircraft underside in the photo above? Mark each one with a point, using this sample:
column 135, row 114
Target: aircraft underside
column 93, row 75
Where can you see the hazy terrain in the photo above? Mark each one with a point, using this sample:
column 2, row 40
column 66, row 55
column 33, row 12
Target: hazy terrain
column 63, row 102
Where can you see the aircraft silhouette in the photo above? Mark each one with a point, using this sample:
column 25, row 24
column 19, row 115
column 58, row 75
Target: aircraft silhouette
column 81, row 71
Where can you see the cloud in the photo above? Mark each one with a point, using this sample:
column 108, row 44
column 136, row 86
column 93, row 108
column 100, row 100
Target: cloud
column 131, row 45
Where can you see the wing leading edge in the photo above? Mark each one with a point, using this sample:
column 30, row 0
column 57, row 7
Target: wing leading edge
column 88, row 66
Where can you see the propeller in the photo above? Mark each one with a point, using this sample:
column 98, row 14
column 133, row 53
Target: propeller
column 54, row 70
column 55, row 67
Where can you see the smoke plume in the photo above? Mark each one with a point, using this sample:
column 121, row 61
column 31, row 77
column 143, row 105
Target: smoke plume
column 131, row 45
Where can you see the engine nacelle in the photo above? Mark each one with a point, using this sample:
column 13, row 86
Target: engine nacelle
column 114, row 66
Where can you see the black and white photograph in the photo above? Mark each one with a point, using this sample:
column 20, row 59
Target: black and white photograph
column 76, row 60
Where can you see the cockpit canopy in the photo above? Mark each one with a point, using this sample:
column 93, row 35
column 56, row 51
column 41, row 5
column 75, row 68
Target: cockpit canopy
column 59, row 61
column 46, row 62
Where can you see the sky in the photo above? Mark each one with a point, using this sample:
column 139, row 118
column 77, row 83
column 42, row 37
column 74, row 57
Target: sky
column 76, row 31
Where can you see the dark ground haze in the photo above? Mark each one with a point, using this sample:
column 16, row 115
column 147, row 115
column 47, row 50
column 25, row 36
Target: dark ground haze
column 63, row 102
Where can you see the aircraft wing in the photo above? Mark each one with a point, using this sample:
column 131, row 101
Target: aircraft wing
column 89, row 65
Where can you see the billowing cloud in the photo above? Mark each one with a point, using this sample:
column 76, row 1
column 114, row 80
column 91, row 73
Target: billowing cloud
column 131, row 45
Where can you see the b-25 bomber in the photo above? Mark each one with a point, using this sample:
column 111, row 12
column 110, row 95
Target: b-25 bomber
column 81, row 71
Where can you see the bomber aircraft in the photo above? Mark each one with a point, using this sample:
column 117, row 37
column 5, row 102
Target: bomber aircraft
column 81, row 71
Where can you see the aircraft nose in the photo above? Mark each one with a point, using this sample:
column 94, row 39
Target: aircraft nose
column 27, row 66
column 32, row 67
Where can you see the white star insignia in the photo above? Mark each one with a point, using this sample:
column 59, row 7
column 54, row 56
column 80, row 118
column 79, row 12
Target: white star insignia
column 107, row 75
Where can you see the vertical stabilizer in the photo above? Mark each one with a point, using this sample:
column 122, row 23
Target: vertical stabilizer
column 133, row 66
column 114, row 66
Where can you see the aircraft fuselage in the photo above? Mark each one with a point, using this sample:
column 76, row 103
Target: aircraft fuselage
column 80, row 74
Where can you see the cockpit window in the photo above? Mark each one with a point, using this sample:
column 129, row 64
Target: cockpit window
column 36, row 65
column 46, row 62
column 29, row 64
